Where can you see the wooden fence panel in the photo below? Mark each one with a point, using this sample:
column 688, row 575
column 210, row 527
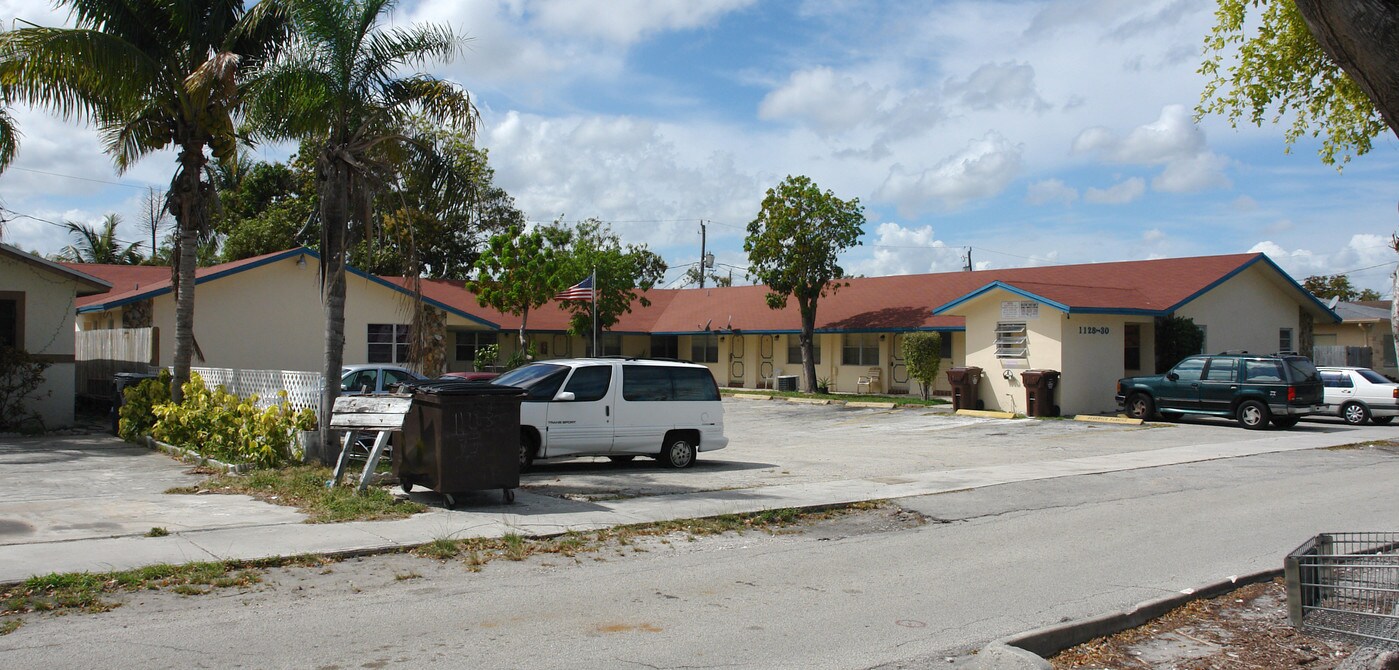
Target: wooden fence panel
column 100, row 354
column 1359, row 357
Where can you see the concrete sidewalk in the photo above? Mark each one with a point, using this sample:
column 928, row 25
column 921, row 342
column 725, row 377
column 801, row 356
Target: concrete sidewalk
column 483, row 515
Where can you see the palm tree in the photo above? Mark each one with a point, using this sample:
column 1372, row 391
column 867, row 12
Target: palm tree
column 9, row 139
column 150, row 75
column 337, row 87
column 99, row 246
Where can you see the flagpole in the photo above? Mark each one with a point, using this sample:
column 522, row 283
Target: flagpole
column 594, row 311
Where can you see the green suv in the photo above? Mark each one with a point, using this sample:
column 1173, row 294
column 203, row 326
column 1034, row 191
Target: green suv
column 1251, row 388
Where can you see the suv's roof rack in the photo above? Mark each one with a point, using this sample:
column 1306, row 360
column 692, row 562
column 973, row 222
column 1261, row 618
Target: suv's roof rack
column 1233, row 352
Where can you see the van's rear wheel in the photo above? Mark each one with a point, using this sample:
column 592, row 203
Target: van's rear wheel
column 529, row 448
column 678, row 452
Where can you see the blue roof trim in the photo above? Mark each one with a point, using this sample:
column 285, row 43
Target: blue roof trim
column 290, row 253
column 1004, row 287
column 439, row 305
column 145, row 295
column 818, row 331
column 1264, row 258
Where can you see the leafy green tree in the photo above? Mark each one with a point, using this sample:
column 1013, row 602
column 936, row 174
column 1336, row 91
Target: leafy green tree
column 268, row 209
column 793, row 247
column 1335, row 286
column 624, row 274
column 340, row 88
column 440, row 212
column 1176, row 338
column 99, row 245
column 517, row 272
column 150, row 75
column 923, row 358
column 1330, row 63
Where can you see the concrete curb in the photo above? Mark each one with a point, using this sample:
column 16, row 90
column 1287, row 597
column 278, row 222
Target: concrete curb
column 1028, row 650
column 195, row 457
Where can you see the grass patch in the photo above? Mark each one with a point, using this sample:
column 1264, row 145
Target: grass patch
column 303, row 487
column 10, row 626
column 898, row 400
column 85, row 591
column 405, row 576
column 157, row 531
column 477, row 552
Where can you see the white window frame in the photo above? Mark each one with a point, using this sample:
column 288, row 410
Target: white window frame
column 865, row 347
column 1012, row 340
column 1286, row 335
column 399, row 347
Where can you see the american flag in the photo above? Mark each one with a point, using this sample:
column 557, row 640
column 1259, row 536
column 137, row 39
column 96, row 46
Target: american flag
column 583, row 290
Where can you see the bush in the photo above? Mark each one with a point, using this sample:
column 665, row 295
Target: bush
column 138, row 402
column 220, row 425
column 521, row 357
column 20, row 375
column 923, row 357
column 486, row 356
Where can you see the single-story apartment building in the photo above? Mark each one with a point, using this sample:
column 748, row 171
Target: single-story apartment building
column 38, row 299
column 1363, row 324
column 265, row 313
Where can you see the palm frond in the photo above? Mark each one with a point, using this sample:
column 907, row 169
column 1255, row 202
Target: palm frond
column 130, row 138
column 388, row 51
column 435, row 99
column 80, row 74
column 9, row 139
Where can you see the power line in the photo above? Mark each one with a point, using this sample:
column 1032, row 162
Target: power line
column 89, row 179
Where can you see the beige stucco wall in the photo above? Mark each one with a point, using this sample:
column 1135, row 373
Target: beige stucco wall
column 843, row 378
column 1245, row 312
column 48, row 314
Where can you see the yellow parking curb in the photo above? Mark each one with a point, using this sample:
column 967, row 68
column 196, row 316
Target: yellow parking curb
column 811, row 401
column 986, row 413
column 751, row 396
column 872, row 404
column 1108, row 419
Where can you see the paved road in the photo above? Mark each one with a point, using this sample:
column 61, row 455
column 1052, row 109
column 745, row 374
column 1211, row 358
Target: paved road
column 994, row 561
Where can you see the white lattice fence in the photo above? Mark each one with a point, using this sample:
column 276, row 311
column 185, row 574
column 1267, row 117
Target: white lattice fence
column 303, row 388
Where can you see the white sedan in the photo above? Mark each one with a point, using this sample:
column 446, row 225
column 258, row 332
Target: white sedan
column 1360, row 394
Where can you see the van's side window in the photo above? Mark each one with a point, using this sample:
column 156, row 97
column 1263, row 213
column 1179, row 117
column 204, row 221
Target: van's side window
column 694, row 384
column 590, row 382
column 646, row 383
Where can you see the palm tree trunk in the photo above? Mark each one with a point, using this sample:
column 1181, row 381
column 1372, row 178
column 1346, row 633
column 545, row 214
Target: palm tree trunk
column 335, row 194
column 189, row 212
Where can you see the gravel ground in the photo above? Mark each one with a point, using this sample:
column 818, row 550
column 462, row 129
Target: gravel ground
column 1247, row 628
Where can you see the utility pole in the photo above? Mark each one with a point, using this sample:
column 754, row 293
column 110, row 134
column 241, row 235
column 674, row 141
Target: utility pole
column 968, row 266
column 701, row 263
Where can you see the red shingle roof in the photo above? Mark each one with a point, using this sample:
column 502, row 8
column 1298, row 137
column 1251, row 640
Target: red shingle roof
column 863, row 304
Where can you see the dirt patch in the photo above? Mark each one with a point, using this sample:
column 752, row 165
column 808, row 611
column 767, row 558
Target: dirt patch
column 1247, row 628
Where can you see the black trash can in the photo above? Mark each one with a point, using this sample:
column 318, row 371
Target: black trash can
column 120, row 382
column 964, row 383
column 1039, row 392
column 460, row 436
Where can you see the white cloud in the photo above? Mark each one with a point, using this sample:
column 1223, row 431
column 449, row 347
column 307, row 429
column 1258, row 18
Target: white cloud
column 628, row 21
column 1153, row 236
column 897, row 250
column 1050, row 191
column 1362, row 251
column 980, row 170
column 1118, row 194
column 1173, row 140
column 1008, row 85
column 619, row 169
column 827, row 102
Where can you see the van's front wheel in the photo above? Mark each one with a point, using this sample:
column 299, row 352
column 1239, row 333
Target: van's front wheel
column 678, row 452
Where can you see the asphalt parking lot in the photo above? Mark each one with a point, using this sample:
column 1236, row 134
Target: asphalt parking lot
column 774, row 442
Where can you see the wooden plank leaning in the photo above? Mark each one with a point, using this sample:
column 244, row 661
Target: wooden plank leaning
column 382, row 414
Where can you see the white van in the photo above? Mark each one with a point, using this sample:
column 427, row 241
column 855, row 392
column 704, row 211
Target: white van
column 617, row 407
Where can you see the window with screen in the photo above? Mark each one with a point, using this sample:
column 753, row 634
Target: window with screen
column 665, row 346
column 470, row 341
column 859, row 349
column 388, row 343
column 704, row 348
column 794, row 349
column 9, row 323
column 609, row 344
column 1285, row 339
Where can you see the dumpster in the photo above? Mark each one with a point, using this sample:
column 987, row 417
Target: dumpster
column 964, row 383
column 1039, row 392
column 120, row 382
column 787, row 382
column 460, row 436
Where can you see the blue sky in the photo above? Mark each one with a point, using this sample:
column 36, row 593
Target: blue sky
column 1032, row 132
